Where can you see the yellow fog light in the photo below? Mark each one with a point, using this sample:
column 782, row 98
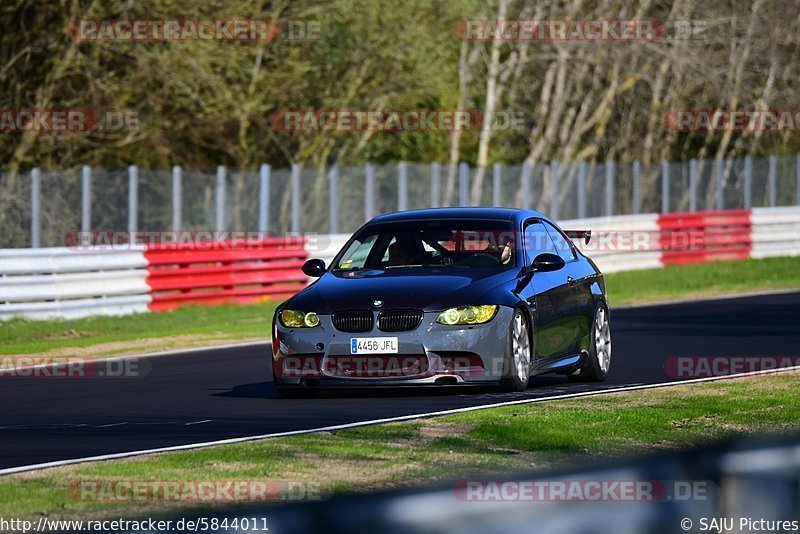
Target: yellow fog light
column 467, row 315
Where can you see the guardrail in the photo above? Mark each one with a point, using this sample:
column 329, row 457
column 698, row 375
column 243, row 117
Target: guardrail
column 650, row 241
column 776, row 232
column 62, row 282
column 213, row 273
column 623, row 243
column 705, row 236
column 77, row 282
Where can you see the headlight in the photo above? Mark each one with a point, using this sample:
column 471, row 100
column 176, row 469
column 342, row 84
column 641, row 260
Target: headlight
column 467, row 315
column 298, row 319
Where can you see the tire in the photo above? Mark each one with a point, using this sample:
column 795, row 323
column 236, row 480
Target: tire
column 517, row 355
column 599, row 351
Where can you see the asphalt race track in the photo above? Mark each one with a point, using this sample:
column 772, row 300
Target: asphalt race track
column 226, row 393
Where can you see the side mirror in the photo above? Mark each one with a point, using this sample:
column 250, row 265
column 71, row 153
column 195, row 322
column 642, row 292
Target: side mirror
column 315, row 268
column 547, row 262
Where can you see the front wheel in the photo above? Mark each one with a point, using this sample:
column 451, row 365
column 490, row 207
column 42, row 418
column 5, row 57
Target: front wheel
column 600, row 350
column 517, row 357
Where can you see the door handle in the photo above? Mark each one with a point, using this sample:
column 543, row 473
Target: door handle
column 570, row 281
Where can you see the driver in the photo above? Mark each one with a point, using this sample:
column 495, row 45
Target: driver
column 401, row 254
column 505, row 256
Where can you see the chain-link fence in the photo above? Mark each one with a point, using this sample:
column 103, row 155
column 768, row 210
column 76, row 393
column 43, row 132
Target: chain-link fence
column 40, row 208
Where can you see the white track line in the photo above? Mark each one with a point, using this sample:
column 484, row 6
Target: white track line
column 190, row 446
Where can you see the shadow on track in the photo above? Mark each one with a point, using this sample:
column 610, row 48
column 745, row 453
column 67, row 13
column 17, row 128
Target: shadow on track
column 266, row 390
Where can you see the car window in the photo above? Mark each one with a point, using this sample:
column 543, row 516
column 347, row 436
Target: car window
column 357, row 253
column 536, row 240
column 562, row 243
column 443, row 244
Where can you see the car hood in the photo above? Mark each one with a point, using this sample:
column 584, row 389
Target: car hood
column 430, row 289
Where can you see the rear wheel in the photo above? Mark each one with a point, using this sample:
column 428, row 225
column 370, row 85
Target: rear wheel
column 600, row 350
column 517, row 357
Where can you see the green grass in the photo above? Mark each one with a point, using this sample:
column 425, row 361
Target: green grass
column 199, row 326
column 702, row 280
column 479, row 443
column 141, row 332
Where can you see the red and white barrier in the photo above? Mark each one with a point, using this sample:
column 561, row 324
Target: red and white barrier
column 621, row 243
column 647, row 241
column 705, row 236
column 78, row 282
column 213, row 273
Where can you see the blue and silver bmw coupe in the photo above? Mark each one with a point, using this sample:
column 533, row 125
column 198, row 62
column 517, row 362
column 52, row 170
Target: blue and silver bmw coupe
column 446, row 296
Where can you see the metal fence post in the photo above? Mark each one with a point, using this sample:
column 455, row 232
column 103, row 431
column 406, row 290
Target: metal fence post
column 36, row 198
column 748, row 182
column 369, row 192
column 637, row 187
column 333, row 199
column 554, row 189
column 728, row 173
column 177, row 197
column 609, row 188
column 718, row 201
column 693, row 185
column 581, row 189
column 436, row 184
column 665, row 187
column 264, row 175
column 295, row 185
column 220, row 197
column 797, row 178
column 402, row 186
column 526, row 185
column 133, row 198
column 497, row 174
column 773, row 181
column 86, row 198
column 463, row 184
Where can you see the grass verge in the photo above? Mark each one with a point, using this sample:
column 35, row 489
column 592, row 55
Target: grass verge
column 676, row 282
column 478, row 443
column 204, row 326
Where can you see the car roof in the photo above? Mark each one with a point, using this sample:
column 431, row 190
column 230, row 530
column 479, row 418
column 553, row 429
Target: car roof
column 505, row 214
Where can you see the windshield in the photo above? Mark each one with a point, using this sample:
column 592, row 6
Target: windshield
column 456, row 244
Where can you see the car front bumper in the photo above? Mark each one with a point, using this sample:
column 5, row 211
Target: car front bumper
column 430, row 354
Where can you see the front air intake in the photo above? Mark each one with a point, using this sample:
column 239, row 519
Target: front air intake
column 352, row 320
column 399, row 320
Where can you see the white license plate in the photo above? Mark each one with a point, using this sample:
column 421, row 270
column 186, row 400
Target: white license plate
column 373, row 345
